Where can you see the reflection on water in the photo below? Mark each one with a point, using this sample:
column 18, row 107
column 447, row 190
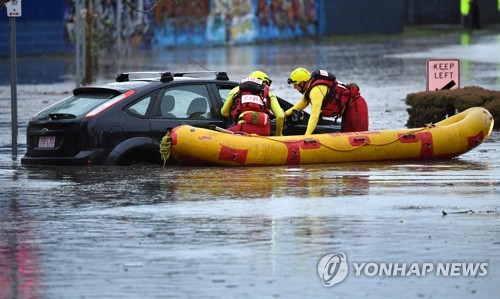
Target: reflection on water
column 19, row 256
column 141, row 184
column 48, row 70
column 150, row 184
column 131, row 232
column 241, row 183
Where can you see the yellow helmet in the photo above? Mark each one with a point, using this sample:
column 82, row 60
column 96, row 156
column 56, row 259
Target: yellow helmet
column 261, row 76
column 299, row 75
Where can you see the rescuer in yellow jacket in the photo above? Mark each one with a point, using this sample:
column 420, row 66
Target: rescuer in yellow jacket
column 250, row 105
column 329, row 97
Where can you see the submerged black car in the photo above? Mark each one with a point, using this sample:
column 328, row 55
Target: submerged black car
column 122, row 123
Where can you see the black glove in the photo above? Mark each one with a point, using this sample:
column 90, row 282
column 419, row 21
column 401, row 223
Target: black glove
column 297, row 115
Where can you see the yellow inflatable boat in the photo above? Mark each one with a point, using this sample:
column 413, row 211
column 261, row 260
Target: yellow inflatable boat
column 446, row 139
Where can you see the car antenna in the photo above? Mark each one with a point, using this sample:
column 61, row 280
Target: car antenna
column 192, row 60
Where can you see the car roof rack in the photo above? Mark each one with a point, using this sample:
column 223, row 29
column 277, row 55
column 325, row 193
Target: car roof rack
column 166, row 76
column 163, row 76
column 218, row 75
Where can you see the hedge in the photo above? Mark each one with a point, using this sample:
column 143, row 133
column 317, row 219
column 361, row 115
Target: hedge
column 433, row 106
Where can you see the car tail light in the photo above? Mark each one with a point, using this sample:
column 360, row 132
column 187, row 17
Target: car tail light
column 97, row 110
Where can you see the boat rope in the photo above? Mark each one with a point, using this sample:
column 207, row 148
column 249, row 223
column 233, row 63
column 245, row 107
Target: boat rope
column 365, row 143
column 165, row 144
column 404, row 136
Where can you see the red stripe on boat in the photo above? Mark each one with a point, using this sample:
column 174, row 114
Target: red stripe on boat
column 230, row 154
column 474, row 141
column 293, row 148
column 426, row 145
column 173, row 135
column 407, row 137
column 359, row 140
column 310, row 144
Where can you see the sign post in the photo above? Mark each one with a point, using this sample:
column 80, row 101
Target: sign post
column 13, row 11
column 443, row 74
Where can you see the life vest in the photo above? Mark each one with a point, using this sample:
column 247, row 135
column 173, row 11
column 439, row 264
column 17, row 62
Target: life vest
column 338, row 96
column 253, row 95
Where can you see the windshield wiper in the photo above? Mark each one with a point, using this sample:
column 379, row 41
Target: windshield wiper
column 56, row 116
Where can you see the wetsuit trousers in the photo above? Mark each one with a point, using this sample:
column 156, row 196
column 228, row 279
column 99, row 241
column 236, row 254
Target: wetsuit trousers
column 356, row 117
column 263, row 130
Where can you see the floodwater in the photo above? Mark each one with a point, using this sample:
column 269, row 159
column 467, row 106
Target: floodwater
column 195, row 232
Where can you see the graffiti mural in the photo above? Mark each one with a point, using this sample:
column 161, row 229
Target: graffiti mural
column 111, row 21
column 178, row 23
column 227, row 22
column 173, row 23
column 285, row 19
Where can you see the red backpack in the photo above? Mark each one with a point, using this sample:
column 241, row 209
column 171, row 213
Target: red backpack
column 252, row 96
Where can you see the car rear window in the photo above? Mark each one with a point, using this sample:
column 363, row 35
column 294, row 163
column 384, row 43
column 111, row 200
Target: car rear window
column 76, row 105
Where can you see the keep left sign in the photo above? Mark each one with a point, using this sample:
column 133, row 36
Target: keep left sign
column 443, row 74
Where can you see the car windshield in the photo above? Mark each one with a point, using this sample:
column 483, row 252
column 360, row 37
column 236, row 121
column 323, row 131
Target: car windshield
column 75, row 106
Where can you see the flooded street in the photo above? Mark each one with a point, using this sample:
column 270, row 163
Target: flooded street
column 213, row 232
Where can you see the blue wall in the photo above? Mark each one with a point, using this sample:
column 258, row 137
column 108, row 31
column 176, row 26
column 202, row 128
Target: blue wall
column 432, row 12
column 419, row 12
column 38, row 11
column 361, row 16
column 42, row 27
column 39, row 30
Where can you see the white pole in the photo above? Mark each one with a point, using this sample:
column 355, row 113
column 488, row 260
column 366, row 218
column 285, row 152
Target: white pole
column 13, row 85
column 119, row 11
column 78, row 42
column 83, row 36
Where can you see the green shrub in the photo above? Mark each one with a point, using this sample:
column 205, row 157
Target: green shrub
column 433, row 106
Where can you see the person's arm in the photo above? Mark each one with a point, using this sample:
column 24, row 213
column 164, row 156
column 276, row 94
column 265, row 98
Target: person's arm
column 316, row 95
column 300, row 105
column 226, row 108
column 278, row 112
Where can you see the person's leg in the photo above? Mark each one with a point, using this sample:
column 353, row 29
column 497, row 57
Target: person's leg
column 357, row 116
column 256, row 129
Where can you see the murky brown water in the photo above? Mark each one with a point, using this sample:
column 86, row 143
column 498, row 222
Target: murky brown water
column 179, row 232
